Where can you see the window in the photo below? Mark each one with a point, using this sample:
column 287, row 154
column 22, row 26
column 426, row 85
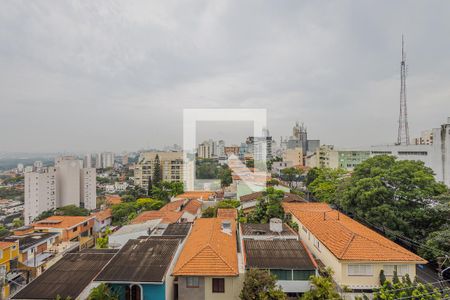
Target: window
column 402, row 270
column 316, row 243
column 75, row 229
column 192, row 282
column 218, row 285
column 282, row 274
column 360, row 270
column 303, row 274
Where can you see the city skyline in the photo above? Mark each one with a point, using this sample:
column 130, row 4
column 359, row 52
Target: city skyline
column 117, row 77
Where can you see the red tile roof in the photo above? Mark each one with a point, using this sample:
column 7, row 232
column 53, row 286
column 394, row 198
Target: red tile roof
column 65, row 222
column 227, row 213
column 209, row 251
column 103, row 214
column 173, row 206
column 167, row 217
column 200, row 195
column 346, row 238
column 193, row 207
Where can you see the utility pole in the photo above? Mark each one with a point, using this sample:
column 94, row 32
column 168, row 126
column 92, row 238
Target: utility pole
column 403, row 128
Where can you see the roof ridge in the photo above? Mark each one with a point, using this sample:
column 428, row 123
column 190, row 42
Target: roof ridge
column 354, row 234
column 348, row 245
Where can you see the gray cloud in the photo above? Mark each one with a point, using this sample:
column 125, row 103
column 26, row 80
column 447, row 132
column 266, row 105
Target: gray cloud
column 85, row 76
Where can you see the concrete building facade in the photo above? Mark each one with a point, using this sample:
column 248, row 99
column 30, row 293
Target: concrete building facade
column 68, row 183
column 171, row 164
column 435, row 155
column 40, row 193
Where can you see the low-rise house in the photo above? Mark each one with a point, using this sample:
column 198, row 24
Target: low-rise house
column 35, row 248
column 133, row 231
column 102, row 220
column 9, row 253
column 70, row 228
column 142, row 269
column 113, row 199
column 191, row 210
column 230, row 213
column 356, row 253
column 70, row 277
column 166, row 217
column 276, row 247
column 208, row 265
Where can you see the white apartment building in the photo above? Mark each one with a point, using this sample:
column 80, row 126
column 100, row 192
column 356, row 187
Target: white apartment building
column 171, row 164
column 40, row 193
column 87, row 161
column 436, row 156
column 107, row 159
column 65, row 184
column 68, row 170
column 88, row 191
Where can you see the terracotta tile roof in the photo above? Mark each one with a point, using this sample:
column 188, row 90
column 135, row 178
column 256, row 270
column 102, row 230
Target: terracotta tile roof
column 65, row 222
column 173, row 206
column 346, row 238
column 193, row 207
column 103, row 214
column 4, row 245
column 227, row 213
column 167, row 217
column 203, row 195
column 209, row 251
column 113, row 199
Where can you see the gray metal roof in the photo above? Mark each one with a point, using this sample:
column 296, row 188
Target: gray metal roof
column 141, row 260
column 277, row 254
column 67, row 278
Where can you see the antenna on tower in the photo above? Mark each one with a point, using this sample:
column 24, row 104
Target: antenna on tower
column 403, row 128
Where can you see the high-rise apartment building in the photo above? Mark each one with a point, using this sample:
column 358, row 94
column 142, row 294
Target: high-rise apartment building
column 68, row 183
column 40, row 193
column 171, row 167
column 107, row 159
column 87, row 161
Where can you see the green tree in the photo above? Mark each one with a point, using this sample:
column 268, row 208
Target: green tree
column 268, row 206
column 259, row 284
column 17, row 222
column 291, row 175
column 395, row 195
column 157, row 171
column 436, row 245
column 71, row 210
column 103, row 292
column 209, row 212
column 149, row 204
column 250, row 163
column 149, row 186
column 128, row 198
column 102, row 242
column 3, row 231
column 122, row 211
column 322, row 288
column 326, row 183
column 225, row 176
column 405, row 289
column 176, row 188
column 229, row 203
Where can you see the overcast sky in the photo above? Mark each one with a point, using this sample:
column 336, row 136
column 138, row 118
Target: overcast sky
column 116, row 75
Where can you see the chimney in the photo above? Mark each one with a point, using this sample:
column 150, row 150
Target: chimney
column 276, row 225
column 226, row 226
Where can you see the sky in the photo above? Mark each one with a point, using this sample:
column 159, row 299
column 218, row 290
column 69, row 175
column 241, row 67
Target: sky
column 116, row 75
